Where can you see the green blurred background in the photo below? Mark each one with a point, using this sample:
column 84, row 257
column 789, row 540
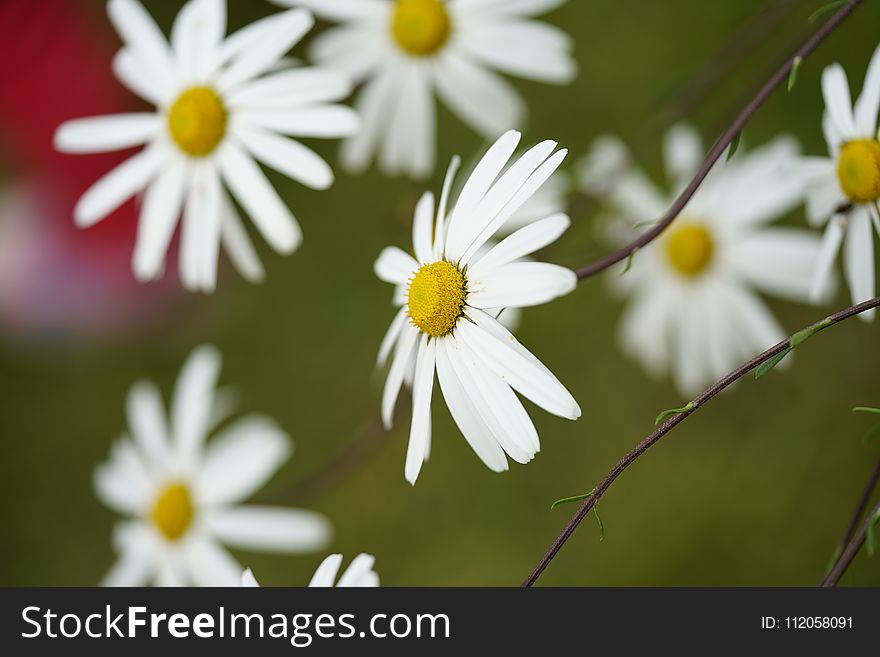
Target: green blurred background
column 755, row 489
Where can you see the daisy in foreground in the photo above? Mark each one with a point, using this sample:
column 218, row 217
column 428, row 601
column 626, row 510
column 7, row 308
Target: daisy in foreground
column 183, row 496
column 405, row 50
column 693, row 307
column 843, row 189
column 220, row 104
column 443, row 323
column 359, row 574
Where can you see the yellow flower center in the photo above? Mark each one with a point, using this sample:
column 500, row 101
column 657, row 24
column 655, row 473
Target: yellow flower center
column 197, row 121
column 858, row 170
column 436, row 298
column 173, row 511
column 420, row 27
column 689, row 249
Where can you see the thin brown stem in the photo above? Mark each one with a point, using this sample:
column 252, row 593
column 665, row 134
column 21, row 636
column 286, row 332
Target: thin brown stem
column 727, row 137
column 674, row 421
column 864, row 501
column 851, row 550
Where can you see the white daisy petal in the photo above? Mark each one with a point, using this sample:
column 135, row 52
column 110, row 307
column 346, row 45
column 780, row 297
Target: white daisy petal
column 828, row 249
column 465, row 413
column 520, row 284
column 858, row 259
column 523, row 242
column 240, row 459
column 143, row 39
column 359, row 573
column 395, row 266
column 161, row 210
column 117, row 186
column 423, row 226
column 322, row 121
column 191, row 405
column 209, row 564
column 403, row 356
column 171, row 571
column 647, row 325
column 287, row 156
column 252, row 189
column 506, row 357
column 271, row 529
column 290, row 90
column 869, row 101
column 286, row 30
column 835, row 90
column 420, row 429
column 146, row 421
column 248, row 580
column 101, row 134
column 374, row 103
column 196, row 35
column 391, row 336
column 527, row 49
column 442, row 208
column 342, row 10
column 355, row 48
column 123, row 483
column 325, row 574
column 138, row 80
column 137, row 561
column 682, row 154
column 238, row 245
column 479, row 97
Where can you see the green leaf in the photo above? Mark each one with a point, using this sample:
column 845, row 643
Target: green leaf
column 866, row 409
column 834, row 559
column 579, row 498
column 665, row 415
column 770, row 364
column 872, row 433
column 645, row 224
column 573, row 498
column 802, row 336
column 871, row 538
column 827, row 10
column 792, row 75
column 734, row 145
column 629, row 261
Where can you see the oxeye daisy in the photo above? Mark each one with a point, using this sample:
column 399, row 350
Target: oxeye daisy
column 359, row 574
column 182, row 494
column 693, row 307
column 221, row 105
column 444, row 325
column 843, row 189
column 406, row 50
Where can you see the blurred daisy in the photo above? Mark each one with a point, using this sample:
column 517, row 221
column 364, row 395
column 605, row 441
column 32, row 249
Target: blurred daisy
column 843, row 190
column 694, row 310
column 216, row 112
column 443, row 322
column 405, row 50
column 359, row 574
column 183, row 496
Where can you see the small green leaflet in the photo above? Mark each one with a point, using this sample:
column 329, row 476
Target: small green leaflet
column 770, row 364
column 734, row 145
column 579, row 498
column 665, row 415
column 792, row 76
column 796, row 340
column 866, row 409
column 629, row 261
column 826, row 10
column 871, row 538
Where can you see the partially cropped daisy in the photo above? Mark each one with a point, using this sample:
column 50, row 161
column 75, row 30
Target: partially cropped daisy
column 693, row 307
column 444, row 323
column 359, row 574
column 406, row 50
column 222, row 104
column 182, row 494
column 843, row 189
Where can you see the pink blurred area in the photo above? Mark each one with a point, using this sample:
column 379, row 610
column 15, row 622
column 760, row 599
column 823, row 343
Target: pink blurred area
column 58, row 281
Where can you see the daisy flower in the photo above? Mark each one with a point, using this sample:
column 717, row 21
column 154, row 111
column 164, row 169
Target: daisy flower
column 359, row 574
column 406, row 50
column 182, row 495
column 220, row 104
column 693, row 306
column 443, row 324
column 843, row 189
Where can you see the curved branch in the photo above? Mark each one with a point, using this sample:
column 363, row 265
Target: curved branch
column 780, row 76
column 851, row 550
column 676, row 419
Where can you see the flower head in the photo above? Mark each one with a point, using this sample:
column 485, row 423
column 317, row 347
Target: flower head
column 693, row 308
column 221, row 105
column 453, row 288
column 405, row 51
column 359, row 574
column 182, row 494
